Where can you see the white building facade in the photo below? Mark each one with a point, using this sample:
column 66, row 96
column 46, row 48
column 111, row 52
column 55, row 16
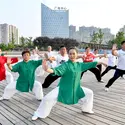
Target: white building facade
column 8, row 33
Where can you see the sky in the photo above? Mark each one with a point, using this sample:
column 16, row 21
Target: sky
column 26, row 14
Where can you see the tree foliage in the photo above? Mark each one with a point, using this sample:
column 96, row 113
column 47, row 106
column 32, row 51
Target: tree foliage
column 100, row 36
column 118, row 39
column 43, row 42
column 94, row 38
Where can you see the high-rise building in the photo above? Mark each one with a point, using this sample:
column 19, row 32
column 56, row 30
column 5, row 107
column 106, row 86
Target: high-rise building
column 4, row 31
column 85, row 34
column 13, row 33
column 72, row 30
column 8, row 33
column 54, row 23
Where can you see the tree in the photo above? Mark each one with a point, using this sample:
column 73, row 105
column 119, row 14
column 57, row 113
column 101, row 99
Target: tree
column 43, row 42
column 94, row 38
column 29, row 42
column 11, row 46
column 100, row 36
column 110, row 43
column 3, row 46
column 22, row 41
column 119, row 38
column 13, row 39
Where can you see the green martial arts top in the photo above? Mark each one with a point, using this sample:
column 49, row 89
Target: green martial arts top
column 70, row 90
column 26, row 70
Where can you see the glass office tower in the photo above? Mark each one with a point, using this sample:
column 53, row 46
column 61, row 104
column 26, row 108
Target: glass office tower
column 54, row 23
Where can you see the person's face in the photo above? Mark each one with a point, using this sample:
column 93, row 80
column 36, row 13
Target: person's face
column 49, row 49
column 123, row 46
column 26, row 57
column 63, row 51
column 88, row 50
column 96, row 52
column 73, row 55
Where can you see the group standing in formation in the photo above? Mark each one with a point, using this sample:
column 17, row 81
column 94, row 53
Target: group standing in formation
column 65, row 66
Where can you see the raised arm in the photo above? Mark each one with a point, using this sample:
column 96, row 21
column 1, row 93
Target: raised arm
column 9, row 61
column 45, row 67
column 40, row 54
column 104, row 64
column 114, row 50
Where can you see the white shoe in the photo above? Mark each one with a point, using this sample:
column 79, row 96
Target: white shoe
column 121, row 77
column 1, row 98
column 106, row 89
column 34, row 117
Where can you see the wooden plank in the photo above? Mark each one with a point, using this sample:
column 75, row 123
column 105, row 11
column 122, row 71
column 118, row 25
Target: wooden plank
column 16, row 114
column 10, row 116
column 4, row 121
column 54, row 117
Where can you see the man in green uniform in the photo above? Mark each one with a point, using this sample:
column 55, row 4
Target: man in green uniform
column 26, row 80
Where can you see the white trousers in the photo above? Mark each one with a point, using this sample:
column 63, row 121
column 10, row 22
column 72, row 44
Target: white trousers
column 51, row 98
column 9, row 77
column 10, row 90
column 39, row 71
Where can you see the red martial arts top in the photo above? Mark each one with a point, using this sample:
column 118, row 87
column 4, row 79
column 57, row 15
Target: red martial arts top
column 88, row 57
column 3, row 60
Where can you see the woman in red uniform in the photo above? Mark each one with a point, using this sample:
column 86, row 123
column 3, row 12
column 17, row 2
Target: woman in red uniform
column 4, row 74
column 88, row 56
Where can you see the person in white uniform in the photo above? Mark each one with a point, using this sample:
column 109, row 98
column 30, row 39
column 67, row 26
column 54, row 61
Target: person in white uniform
column 51, row 57
column 35, row 56
column 61, row 58
column 111, row 64
column 120, row 70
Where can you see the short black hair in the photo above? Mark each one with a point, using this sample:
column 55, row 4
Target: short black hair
column 73, row 48
column 62, row 46
column 87, row 47
column 95, row 49
column 122, row 42
column 25, row 51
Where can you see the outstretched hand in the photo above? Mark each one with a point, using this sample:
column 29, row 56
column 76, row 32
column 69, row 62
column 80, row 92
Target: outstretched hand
column 114, row 47
column 44, row 65
column 9, row 61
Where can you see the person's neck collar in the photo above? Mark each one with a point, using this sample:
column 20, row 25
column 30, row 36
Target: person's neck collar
column 25, row 61
column 63, row 55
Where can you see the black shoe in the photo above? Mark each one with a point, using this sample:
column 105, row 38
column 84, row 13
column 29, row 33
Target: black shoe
column 101, row 81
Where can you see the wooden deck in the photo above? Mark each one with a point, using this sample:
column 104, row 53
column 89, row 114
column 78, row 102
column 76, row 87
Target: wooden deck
column 109, row 107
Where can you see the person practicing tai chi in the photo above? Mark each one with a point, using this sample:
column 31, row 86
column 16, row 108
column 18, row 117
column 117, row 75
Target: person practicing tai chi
column 69, row 90
column 61, row 58
column 35, row 56
column 26, row 80
column 120, row 69
column 4, row 74
column 88, row 56
column 49, row 55
column 111, row 64
column 98, row 58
